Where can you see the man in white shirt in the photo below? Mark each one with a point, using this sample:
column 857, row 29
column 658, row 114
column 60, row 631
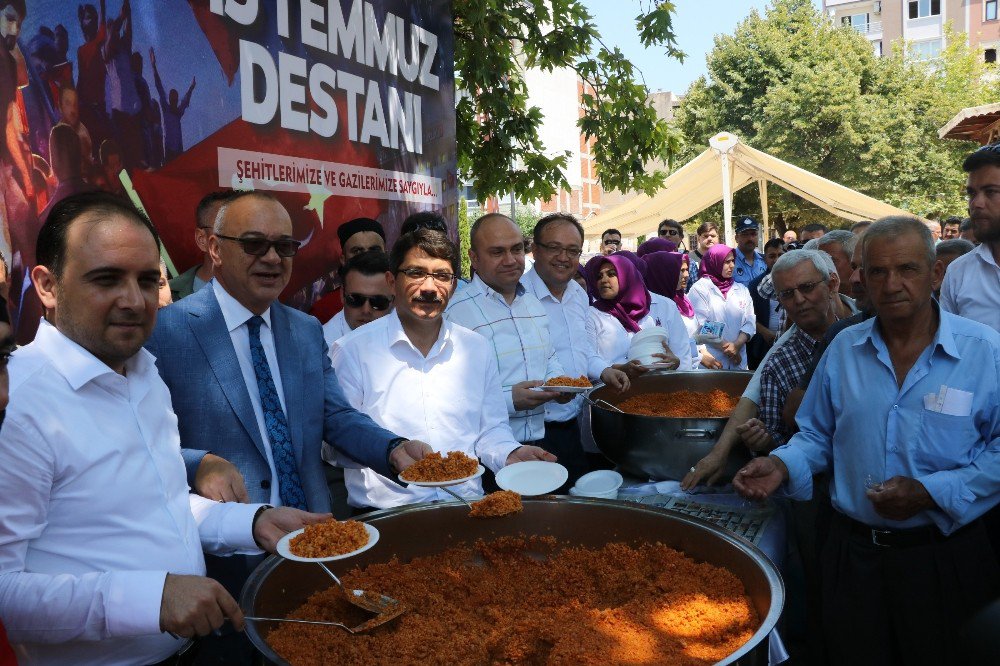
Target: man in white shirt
column 558, row 241
column 972, row 284
column 100, row 540
column 415, row 372
column 367, row 295
column 496, row 305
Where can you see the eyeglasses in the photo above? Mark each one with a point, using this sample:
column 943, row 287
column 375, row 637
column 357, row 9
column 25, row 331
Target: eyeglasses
column 557, row 249
column 258, row 247
column 669, row 232
column 804, row 289
column 419, row 275
column 612, row 242
column 378, row 302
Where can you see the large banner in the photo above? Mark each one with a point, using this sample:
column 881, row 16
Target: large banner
column 340, row 108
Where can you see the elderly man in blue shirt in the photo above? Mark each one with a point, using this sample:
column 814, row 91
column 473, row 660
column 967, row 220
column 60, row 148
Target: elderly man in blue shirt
column 904, row 413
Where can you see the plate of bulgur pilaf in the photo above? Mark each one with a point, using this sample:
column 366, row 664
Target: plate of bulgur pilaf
column 327, row 541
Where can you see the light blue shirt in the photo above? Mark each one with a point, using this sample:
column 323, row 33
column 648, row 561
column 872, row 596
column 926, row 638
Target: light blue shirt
column 744, row 272
column 855, row 421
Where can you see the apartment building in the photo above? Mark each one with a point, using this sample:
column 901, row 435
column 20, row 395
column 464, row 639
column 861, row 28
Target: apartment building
column 920, row 23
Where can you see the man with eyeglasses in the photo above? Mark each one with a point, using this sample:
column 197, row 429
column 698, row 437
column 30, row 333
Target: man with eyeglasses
column 672, row 230
column 415, row 371
column 611, row 241
column 367, row 295
column 251, row 380
column 199, row 275
column 558, row 243
column 497, row 306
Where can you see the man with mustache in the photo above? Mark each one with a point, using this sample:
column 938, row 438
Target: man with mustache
column 251, row 380
column 902, row 413
column 414, row 371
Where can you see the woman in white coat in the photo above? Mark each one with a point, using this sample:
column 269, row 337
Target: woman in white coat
column 716, row 297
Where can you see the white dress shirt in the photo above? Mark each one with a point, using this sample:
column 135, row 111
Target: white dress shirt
column 666, row 314
column 735, row 310
column 335, row 329
column 96, row 509
column 522, row 346
column 971, row 287
column 568, row 332
column 609, row 337
column 450, row 399
column 236, row 316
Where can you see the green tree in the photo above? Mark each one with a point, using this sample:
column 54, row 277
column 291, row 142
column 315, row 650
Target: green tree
column 463, row 236
column 499, row 149
column 811, row 92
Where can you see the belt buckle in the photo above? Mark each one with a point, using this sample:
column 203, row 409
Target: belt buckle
column 875, row 536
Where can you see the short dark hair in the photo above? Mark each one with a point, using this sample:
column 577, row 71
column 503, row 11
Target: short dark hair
column 815, row 226
column 955, row 246
column 774, row 242
column 966, row 224
column 210, row 200
column 983, row 156
column 954, row 219
column 427, row 219
column 610, row 231
column 366, row 263
column 705, row 227
column 433, row 243
column 550, row 219
column 50, row 250
column 670, row 223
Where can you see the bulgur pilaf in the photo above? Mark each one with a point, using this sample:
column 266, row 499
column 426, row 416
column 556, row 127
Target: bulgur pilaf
column 564, row 380
column 434, row 467
column 681, row 404
column 329, row 539
column 500, row 503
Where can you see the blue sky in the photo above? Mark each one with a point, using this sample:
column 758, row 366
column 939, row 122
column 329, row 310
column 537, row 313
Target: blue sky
column 696, row 22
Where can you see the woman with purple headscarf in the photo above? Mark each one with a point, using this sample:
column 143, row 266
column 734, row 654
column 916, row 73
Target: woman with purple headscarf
column 620, row 306
column 663, row 271
column 718, row 299
column 656, row 244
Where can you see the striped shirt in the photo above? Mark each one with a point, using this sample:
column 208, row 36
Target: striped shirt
column 519, row 335
column 781, row 373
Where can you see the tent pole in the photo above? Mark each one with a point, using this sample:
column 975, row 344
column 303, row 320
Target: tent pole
column 727, row 198
column 762, row 186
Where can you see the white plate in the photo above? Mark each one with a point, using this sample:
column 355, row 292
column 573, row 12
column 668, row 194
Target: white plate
column 439, row 484
column 657, row 366
column 534, row 477
column 561, row 389
column 285, row 552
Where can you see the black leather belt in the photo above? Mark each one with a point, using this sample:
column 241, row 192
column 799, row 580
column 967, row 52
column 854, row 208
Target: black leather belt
column 903, row 538
column 561, row 425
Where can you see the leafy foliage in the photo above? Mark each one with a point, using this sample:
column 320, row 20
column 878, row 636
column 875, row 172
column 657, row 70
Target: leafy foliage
column 499, row 149
column 793, row 84
column 464, row 226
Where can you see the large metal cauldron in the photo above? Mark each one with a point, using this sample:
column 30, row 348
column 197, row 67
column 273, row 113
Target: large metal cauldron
column 656, row 447
column 279, row 586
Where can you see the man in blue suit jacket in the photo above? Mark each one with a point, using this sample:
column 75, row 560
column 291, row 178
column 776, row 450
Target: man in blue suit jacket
column 251, row 380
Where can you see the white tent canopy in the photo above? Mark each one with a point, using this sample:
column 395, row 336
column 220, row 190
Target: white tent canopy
column 727, row 167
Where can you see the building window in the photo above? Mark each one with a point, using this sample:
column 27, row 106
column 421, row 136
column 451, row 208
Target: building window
column 857, row 21
column 921, row 8
column 990, row 55
column 991, row 10
column 877, row 46
column 925, row 50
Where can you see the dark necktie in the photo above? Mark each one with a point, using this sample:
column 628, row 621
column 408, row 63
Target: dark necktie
column 289, row 483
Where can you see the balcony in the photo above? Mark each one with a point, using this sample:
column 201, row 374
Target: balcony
column 868, row 29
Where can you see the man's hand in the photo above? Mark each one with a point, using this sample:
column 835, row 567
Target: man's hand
column 709, row 469
column 710, row 361
column 219, row 480
column 731, row 351
column 408, row 453
column 276, row 522
column 760, row 478
column 615, row 378
column 195, row 606
column 529, row 453
column 756, row 436
column 900, row 498
column 525, row 399
column 633, row 369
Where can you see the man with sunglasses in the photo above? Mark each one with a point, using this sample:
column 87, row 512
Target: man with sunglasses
column 611, row 241
column 250, row 379
column 357, row 236
column 415, row 371
column 673, row 231
column 367, row 295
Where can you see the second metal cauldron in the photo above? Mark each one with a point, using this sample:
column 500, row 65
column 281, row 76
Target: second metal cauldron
column 663, row 448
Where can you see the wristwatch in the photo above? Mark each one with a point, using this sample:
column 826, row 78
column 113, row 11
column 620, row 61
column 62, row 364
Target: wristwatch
column 393, row 443
column 253, row 523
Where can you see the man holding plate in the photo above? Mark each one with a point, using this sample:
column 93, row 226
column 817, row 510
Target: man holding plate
column 415, row 372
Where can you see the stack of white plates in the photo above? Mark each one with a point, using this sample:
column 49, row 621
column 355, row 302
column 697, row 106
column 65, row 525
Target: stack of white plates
column 604, row 483
column 647, row 342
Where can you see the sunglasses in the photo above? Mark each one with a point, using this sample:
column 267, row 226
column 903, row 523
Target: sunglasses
column 612, row 242
column 669, row 232
column 804, row 289
column 258, row 247
column 378, row 302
